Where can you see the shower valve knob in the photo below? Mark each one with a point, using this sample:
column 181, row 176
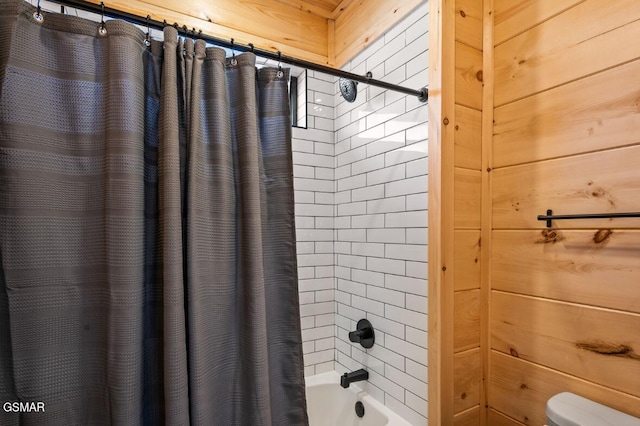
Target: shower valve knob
column 363, row 334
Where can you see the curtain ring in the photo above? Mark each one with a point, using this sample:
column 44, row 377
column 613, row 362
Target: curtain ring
column 279, row 74
column 234, row 61
column 102, row 30
column 37, row 15
column 147, row 40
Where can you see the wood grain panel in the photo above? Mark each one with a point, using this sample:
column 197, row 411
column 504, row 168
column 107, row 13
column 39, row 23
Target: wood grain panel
column 468, row 76
column 466, row 380
column 470, row 417
column 441, row 110
column 331, row 42
column 468, row 137
column 467, row 259
column 320, row 8
column 520, row 389
column 594, row 113
column 265, row 23
column 497, row 418
column 596, row 344
column 467, row 195
column 600, row 182
column 469, row 23
column 548, row 55
column 466, row 320
column 513, row 17
column 594, row 267
column 565, row 305
column 341, row 7
column 360, row 24
column 488, row 7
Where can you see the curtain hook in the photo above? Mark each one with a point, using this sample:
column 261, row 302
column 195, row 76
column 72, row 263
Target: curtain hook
column 102, row 30
column 251, row 46
column 234, row 61
column 279, row 74
column 147, row 40
column 37, row 15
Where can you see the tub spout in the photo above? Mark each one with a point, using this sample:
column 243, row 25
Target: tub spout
column 354, row 376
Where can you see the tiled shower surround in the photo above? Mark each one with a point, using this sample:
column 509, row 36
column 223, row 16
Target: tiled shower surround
column 361, row 218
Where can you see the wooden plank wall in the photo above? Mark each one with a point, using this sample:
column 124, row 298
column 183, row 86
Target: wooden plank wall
column 455, row 361
column 304, row 29
column 467, row 362
column 267, row 24
column 361, row 22
column 565, row 302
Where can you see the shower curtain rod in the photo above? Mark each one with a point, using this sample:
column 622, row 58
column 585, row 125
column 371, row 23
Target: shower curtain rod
column 422, row 94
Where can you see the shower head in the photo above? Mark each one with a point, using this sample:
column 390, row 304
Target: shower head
column 348, row 88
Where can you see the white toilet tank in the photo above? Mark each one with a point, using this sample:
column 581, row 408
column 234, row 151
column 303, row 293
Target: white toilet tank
column 568, row 409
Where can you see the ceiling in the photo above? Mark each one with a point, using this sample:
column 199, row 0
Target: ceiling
column 328, row 9
column 328, row 32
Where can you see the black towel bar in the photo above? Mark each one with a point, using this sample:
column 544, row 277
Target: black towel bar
column 549, row 216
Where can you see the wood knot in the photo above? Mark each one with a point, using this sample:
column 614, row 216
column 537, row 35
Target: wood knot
column 445, row 121
column 609, row 349
column 523, row 386
column 463, row 14
column 514, row 353
column 464, row 395
column 457, row 127
column 602, row 235
column 479, row 76
column 550, row 236
column 475, row 260
column 444, row 268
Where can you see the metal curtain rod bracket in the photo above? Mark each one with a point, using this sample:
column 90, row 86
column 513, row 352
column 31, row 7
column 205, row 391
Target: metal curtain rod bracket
column 422, row 94
column 549, row 216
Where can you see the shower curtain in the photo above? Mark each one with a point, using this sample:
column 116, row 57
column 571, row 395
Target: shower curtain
column 147, row 246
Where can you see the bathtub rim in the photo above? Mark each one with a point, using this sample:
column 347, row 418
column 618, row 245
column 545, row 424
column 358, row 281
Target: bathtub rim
column 333, row 378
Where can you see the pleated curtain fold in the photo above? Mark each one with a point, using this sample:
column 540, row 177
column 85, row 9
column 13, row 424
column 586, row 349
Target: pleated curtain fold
column 147, row 241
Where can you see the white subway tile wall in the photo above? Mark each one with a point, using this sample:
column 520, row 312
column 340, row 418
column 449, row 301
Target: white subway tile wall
column 314, row 184
column 360, row 176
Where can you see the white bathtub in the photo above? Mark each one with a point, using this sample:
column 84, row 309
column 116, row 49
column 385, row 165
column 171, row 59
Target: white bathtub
column 328, row 404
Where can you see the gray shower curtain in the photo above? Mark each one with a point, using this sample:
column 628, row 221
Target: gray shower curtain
column 147, row 247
